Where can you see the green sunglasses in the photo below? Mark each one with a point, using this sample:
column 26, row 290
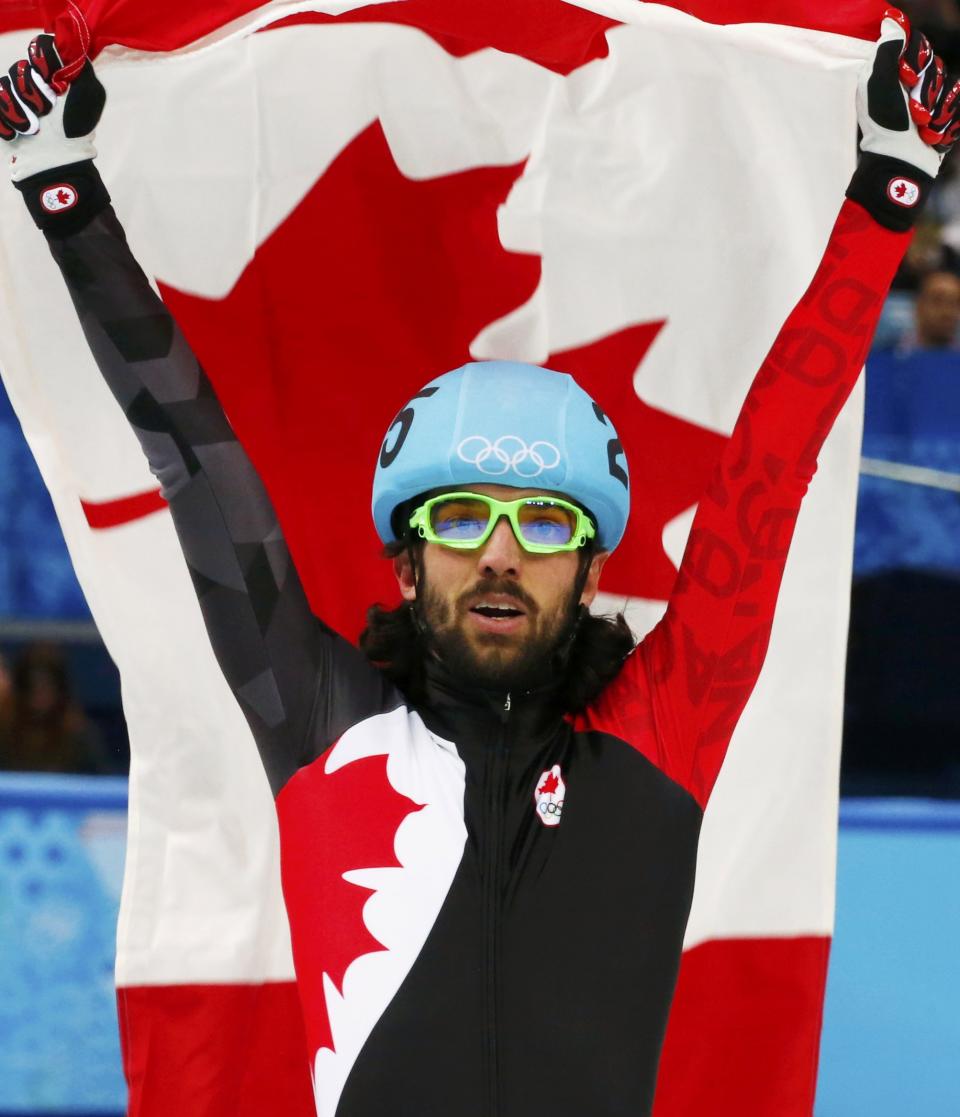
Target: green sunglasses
column 465, row 521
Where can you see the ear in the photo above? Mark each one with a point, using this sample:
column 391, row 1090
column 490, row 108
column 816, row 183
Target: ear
column 592, row 583
column 406, row 579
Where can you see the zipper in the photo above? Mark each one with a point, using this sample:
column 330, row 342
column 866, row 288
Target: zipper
column 492, row 904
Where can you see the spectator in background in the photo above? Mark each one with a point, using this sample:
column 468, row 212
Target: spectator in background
column 6, row 699
column 912, row 419
column 900, row 730
column 45, row 730
column 927, row 253
column 936, row 314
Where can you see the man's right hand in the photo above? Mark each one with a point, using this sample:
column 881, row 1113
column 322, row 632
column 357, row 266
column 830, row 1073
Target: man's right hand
column 28, row 93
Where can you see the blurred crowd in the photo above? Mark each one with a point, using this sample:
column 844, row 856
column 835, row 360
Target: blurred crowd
column 42, row 726
column 924, row 306
column 902, row 721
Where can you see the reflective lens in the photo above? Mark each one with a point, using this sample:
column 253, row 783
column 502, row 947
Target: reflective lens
column 546, row 523
column 466, row 520
column 459, row 519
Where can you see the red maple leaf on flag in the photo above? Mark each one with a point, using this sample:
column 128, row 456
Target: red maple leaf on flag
column 331, row 824
column 373, row 285
column 670, row 459
column 549, row 785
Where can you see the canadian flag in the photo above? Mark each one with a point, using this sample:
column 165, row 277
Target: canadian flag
column 340, row 200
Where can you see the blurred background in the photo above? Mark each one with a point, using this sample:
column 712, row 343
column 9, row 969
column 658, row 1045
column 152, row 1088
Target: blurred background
column 894, row 977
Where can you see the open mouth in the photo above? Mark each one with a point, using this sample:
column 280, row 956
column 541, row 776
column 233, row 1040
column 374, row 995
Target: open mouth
column 498, row 610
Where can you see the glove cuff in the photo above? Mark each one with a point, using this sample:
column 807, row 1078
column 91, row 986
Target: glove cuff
column 46, row 151
column 891, row 191
column 63, row 200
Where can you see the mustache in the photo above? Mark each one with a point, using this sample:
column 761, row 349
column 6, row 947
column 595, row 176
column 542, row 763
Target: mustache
column 497, row 585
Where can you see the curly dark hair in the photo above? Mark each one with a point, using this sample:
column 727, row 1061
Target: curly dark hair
column 394, row 642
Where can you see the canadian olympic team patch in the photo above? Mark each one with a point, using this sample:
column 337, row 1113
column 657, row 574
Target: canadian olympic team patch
column 549, row 795
column 903, row 192
column 56, row 199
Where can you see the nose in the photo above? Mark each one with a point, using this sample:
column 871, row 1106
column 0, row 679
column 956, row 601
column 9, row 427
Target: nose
column 501, row 554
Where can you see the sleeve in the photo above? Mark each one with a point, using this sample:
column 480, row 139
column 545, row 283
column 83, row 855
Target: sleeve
column 298, row 683
column 700, row 664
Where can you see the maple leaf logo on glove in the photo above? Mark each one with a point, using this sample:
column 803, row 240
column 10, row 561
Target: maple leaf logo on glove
column 56, row 199
column 904, row 192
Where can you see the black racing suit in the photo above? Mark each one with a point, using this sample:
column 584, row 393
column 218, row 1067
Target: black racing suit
column 487, row 899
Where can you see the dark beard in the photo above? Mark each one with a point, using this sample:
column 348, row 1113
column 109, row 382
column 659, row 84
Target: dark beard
column 503, row 664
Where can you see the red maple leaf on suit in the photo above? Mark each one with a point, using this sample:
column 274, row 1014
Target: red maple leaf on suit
column 334, row 823
column 549, row 785
column 373, row 285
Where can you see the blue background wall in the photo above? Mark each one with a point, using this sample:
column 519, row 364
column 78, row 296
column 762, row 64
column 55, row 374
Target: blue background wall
column 61, row 865
column 891, row 1039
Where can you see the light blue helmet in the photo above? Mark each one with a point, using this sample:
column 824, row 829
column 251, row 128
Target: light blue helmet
column 504, row 423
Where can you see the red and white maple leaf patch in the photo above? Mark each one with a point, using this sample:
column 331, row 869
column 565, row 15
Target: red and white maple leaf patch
column 549, row 796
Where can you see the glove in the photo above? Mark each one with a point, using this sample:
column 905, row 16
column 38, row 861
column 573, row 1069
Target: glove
column 909, row 115
column 49, row 124
column 29, row 92
column 934, row 102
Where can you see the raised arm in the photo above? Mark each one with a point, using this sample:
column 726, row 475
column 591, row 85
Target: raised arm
column 700, row 664
column 279, row 660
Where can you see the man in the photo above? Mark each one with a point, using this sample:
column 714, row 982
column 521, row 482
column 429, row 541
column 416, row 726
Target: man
column 936, row 313
column 541, row 800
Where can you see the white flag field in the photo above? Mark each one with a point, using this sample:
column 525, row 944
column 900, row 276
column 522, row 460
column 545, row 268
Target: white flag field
column 339, row 201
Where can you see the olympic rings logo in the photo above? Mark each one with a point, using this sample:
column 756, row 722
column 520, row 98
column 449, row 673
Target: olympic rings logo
column 509, row 452
column 550, row 808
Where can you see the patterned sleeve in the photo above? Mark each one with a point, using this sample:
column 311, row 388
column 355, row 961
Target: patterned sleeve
column 298, row 683
column 700, row 664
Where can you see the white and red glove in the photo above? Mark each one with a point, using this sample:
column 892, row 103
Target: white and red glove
column 51, row 162
column 29, row 91
column 908, row 109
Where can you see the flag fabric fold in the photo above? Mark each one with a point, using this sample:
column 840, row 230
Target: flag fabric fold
column 339, row 201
